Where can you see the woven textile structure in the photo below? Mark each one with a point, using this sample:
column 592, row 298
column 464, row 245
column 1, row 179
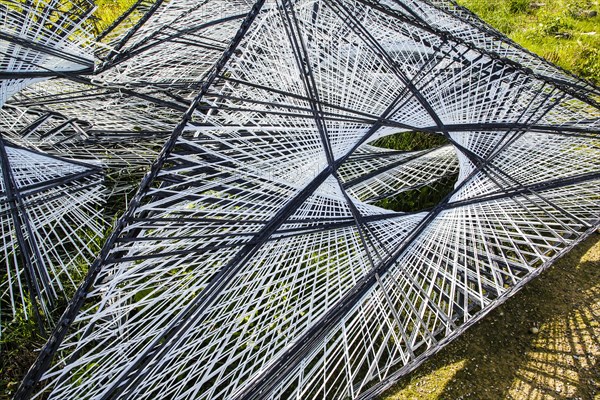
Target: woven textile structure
column 50, row 215
column 254, row 262
column 50, row 207
column 42, row 39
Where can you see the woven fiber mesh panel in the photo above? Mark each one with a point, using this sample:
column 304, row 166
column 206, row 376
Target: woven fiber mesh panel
column 255, row 260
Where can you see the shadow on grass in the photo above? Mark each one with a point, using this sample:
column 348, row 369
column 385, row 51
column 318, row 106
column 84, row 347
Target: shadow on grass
column 499, row 358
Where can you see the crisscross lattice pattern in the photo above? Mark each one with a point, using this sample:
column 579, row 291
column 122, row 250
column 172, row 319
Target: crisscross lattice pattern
column 253, row 262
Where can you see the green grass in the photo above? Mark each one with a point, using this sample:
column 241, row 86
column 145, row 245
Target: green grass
column 565, row 32
column 109, row 10
column 410, row 141
column 20, row 339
